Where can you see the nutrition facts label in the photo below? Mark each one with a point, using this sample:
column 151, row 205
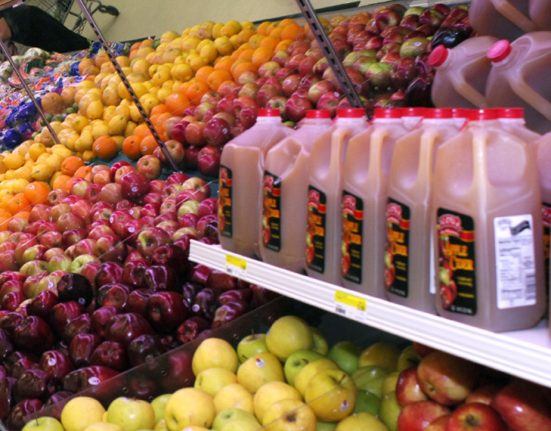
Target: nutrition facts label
column 515, row 261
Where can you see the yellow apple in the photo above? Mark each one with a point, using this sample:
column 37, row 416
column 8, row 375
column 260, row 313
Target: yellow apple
column 361, row 422
column 382, row 354
column 389, row 384
column 161, row 426
column 233, row 395
column 305, row 375
column 80, row 412
column 131, row 414
column 289, row 415
column 214, row 353
column 271, row 393
column 258, row 370
column 235, row 419
column 159, row 405
column 408, row 358
column 195, row 428
column 287, row 335
column 103, row 426
column 212, row 380
column 331, row 395
column 189, row 406
column 44, row 423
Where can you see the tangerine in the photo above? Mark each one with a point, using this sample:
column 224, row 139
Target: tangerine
column 105, row 147
column 217, row 77
column 17, row 202
column 195, row 91
column 70, row 165
column 148, row 145
column 37, row 192
column 131, row 147
column 84, row 172
column 203, row 73
column 60, row 181
column 177, row 103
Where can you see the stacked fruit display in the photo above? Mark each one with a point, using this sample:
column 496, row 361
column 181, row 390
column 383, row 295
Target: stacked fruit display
column 288, row 379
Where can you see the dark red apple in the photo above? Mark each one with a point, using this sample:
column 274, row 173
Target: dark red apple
column 33, row 334
column 56, row 364
column 417, row 416
column 408, row 389
column 475, row 417
column 123, row 328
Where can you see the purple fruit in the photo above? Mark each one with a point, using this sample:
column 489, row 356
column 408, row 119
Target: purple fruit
column 228, row 312
column 75, row 287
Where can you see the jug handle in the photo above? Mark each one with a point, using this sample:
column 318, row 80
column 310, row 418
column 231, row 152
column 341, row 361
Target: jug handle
column 470, row 93
column 531, row 97
column 480, row 171
column 505, row 8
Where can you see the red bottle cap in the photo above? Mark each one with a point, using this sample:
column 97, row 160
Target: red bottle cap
column 351, row 113
column 269, row 112
column 461, row 113
column 318, row 113
column 414, row 112
column 499, row 51
column 483, row 114
column 511, row 113
column 438, row 56
column 439, row 113
column 388, row 113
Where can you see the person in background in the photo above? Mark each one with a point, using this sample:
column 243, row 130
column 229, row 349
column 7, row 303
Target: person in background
column 32, row 27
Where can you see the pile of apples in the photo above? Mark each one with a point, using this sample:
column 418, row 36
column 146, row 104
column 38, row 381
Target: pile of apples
column 98, row 280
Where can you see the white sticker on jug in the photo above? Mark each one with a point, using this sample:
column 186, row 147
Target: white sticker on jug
column 515, row 261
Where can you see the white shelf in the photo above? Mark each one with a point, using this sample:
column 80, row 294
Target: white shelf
column 526, row 354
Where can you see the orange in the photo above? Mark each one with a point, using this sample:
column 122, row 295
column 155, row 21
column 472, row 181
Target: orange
column 203, row 73
column 246, row 54
column 70, row 165
column 84, row 172
column 37, row 192
column 4, row 213
column 148, row 145
column 223, row 63
column 255, row 40
column 160, row 119
column 269, row 42
column 217, row 77
column 142, row 131
column 67, row 187
column 177, row 103
column 60, row 181
column 159, row 109
column 131, row 147
column 17, row 202
column 292, row 32
column 105, row 147
column 261, row 55
column 276, row 33
column 283, row 45
column 239, row 68
column 195, row 91
column 4, row 223
column 265, row 28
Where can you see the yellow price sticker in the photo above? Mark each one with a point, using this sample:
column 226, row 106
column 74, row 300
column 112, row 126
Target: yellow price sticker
column 350, row 305
column 235, row 266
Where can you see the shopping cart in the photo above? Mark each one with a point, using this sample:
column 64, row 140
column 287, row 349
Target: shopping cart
column 62, row 9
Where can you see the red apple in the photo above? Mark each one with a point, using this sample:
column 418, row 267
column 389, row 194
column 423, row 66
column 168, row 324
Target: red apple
column 439, row 424
column 484, row 394
column 408, row 389
column 475, row 417
column 150, row 166
column 417, row 416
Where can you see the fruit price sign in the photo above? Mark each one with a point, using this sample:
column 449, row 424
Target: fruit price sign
column 236, row 266
column 351, row 306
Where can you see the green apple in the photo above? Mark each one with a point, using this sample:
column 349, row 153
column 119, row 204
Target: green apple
column 325, row 426
column 297, row 361
column 360, row 422
column 287, row 335
column 131, row 414
column 80, row 412
column 389, row 411
column 289, row 415
column 233, row 415
column 212, row 380
column 271, row 393
column 33, row 267
column 368, row 403
column 260, row 369
column 382, row 353
column 320, row 343
column 44, row 423
column 390, row 382
column 233, row 395
column 313, row 368
column 371, row 379
column 189, row 406
column 214, row 353
column 103, row 426
column 408, row 358
column 159, row 405
column 331, row 394
column 78, row 262
column 346, row 354
column 250, row 346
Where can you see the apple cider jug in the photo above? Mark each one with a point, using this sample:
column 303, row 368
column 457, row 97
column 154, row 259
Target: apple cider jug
column 323, row 221
column 240, row 179
column 365, row 178
column 285, row 192
column 543, row 155
column 461, row 73
column 407, row 277
column 486, row 212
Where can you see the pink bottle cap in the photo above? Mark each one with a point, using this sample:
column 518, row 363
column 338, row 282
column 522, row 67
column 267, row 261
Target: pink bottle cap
column 483, row 114
column 388, row 113
column 350, row 113
column 499, row 51
column 438, row 56
column 511, row 113
column 268, row 112
column 439, row 113
column 318, row 113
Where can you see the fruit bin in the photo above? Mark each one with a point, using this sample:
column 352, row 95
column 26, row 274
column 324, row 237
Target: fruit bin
column 172, row 370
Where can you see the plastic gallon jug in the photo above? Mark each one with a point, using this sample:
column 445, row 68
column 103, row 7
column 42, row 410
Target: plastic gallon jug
column 323, row 229
column 407, row 278
column 241, row 170
column 543, row 152
column 519, row 77
column 285, row 192
column 411, row 117
column 365, row 178
column 487, row 211
column 461, row 73
column 506, row 19
column 512, row 120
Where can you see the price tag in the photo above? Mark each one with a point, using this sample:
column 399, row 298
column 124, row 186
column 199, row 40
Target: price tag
column 350, row 305
column 236, row 266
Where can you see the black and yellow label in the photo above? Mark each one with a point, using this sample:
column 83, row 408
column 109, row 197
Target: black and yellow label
column 225, row 210
column 398, row 220
column 351, row 248
column 456, row 262
column 271, row 212
column 315, row 229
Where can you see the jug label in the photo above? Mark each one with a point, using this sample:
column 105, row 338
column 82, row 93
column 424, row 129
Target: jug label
column 271, row 212
column 546, row 218
column 397, row 248
column 225, row 220
column 456, row 262
column 351, row 249
column 315, row 231
column 515, row 261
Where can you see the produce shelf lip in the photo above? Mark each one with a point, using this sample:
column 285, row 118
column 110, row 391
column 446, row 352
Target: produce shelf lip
column 525, row 354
